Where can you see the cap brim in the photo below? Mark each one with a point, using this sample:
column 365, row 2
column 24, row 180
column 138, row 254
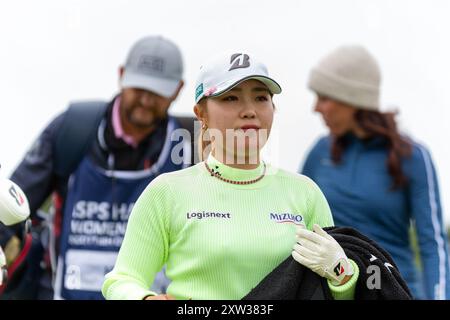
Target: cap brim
column 271, row 84
column 163, row 87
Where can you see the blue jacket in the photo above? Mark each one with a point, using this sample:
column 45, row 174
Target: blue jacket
column 359, row 194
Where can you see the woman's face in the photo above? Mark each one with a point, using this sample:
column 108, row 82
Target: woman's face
column 338, row 117
column 239, row 120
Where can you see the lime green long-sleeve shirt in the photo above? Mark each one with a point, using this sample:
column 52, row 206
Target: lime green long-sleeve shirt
column 218, row 240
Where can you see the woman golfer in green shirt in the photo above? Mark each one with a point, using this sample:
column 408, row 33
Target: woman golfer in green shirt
column 223, row 224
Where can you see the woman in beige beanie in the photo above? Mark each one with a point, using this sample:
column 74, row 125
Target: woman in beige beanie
column 375, row 179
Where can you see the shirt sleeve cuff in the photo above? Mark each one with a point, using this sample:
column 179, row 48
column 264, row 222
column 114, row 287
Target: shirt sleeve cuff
column 346, row 291
column 127, row 291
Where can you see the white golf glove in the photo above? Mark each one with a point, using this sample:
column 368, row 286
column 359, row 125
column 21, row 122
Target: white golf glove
column 321, row 253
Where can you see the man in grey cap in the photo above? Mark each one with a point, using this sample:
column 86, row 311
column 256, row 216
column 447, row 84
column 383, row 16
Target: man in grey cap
column 111, row 151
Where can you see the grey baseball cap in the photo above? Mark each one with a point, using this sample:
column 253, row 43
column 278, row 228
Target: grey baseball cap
column 227, row 70
column 155, row 64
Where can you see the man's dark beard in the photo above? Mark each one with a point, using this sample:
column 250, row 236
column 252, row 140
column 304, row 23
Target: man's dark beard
column 157, row 120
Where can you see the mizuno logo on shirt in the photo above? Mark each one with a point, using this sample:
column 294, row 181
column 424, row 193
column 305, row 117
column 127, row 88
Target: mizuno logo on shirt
column 206, row 214
column 287, row 217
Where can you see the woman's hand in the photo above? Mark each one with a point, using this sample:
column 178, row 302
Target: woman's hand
column 321, row 253
column 160, row 297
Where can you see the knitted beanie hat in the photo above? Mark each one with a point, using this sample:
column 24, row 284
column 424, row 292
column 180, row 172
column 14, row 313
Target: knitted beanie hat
column 349, row 74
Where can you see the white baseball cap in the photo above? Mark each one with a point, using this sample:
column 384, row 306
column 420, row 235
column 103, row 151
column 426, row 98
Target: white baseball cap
column 154, row 63
column 227, row 70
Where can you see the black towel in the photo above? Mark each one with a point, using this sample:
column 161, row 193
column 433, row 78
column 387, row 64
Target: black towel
column 292, row 281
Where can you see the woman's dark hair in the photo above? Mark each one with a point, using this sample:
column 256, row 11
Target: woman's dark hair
column 378, row 124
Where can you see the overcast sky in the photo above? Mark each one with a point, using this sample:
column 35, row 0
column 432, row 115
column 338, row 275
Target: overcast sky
column 53, row 52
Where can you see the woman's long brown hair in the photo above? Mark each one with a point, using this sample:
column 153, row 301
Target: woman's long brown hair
column 378, row 124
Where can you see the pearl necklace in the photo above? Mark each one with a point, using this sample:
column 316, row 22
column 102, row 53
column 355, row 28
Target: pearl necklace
column 218, row 176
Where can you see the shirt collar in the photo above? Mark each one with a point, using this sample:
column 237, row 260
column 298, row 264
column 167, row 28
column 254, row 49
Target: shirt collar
column 117, row 125
column 372, row 142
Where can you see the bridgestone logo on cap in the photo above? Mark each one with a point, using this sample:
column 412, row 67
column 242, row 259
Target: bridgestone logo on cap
column 239, row 60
